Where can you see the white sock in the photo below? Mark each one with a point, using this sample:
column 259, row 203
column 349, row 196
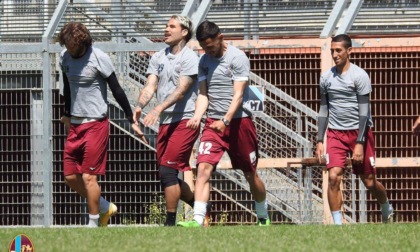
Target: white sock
column 261, row 209
column 200, row 209
column 337, row 217
column 93, row 220
column 103, row 205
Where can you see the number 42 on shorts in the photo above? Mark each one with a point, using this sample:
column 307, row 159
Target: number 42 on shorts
column 204, row 148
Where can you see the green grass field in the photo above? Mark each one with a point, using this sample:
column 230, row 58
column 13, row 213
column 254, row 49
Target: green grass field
column 358, row 237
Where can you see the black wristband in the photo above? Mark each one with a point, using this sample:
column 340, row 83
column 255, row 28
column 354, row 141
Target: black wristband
column 360, row 142
column 320, row 141
column 67, row 114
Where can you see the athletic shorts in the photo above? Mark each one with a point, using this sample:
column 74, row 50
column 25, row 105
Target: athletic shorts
column 340, row 143
column 174, row 145
column 239, row 140
column 86, row 147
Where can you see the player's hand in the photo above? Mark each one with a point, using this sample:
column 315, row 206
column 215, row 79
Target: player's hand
column 416, row 127
column 137, row 130
column 194, row 123
column 152, row 117
column 66, row 121
column 358, row 154
column 319, row 151
column 218, row 126
column 136, row 115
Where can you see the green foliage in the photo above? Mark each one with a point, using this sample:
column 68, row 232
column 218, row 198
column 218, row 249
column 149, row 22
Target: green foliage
column 186, row 213
column 129, row 219
column 157, row 211
column 222, row 218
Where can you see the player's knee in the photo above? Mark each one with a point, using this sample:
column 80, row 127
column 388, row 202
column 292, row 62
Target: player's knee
column 334, row 181
column 251, row 176
column 369, row 184
column 204, row 171
column 168, row 176
column 70, row 179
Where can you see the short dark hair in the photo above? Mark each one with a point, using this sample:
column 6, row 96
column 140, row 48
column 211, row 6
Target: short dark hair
column 207, row 30
column 342, row 38
column 75, row 33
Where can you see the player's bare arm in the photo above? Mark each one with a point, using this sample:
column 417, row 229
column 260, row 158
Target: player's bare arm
column 122, row 100
column 201, row 105
column 184, row 83
column 66, row 121
column 139, row 132
column 146, row 94
column 416, row 127
column 236, row 103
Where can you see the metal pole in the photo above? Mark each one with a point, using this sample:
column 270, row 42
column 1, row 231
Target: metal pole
column 47, row 80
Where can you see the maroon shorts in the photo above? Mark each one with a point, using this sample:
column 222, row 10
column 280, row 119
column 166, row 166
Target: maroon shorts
column 86, row 146
column 239, row 140
column 174, row 145
column 340, row 143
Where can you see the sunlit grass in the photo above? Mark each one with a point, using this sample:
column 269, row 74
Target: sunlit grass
column 356, row 237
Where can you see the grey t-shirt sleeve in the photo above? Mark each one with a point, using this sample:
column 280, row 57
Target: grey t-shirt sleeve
column 189, row 65
column 153, row 65
column 202, row 74
column 363, row 84
column 105, row 66
column 240, row 68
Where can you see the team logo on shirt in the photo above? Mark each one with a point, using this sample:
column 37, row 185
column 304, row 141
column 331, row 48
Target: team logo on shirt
column 178, row 67
column 88, row 71
column 228, row 71
column 329, row 84
column 160, row 68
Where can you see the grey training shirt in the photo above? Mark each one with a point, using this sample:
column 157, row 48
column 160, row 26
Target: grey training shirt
column 219, row 74
column 342, row 91
column 168, row 68
column 87, row 78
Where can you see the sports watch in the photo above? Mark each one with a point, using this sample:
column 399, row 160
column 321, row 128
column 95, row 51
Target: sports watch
column 225, row 122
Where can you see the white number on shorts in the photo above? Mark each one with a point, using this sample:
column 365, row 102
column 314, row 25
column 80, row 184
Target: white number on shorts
column 204, row 148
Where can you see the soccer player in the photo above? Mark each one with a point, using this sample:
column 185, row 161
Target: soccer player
column 86, row 73
column 223, row 77
column 172, row 73
column 345, row 111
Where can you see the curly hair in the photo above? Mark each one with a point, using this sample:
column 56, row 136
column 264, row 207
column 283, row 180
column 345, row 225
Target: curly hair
column 75, row 33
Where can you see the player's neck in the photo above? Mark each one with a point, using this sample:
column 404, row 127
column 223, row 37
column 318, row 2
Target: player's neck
column 178, row 47
column 223, row 50
column 343, row 69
